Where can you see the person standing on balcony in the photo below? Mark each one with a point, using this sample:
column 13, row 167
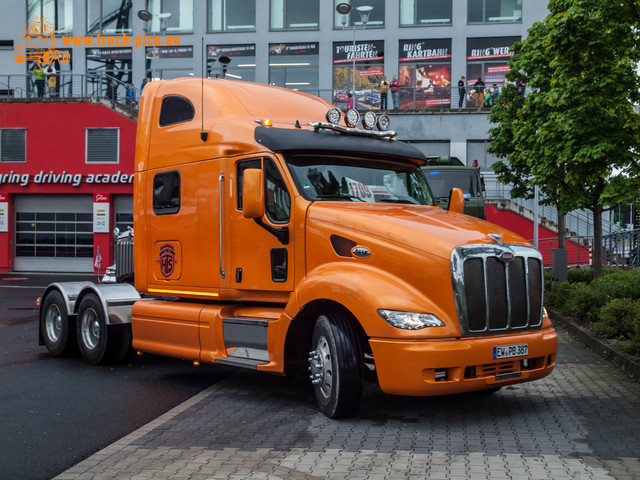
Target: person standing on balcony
column 51, row 80
column 38, row 72
column 395, row 92
column 479, row 87
column 462, row 91
column 384, row 88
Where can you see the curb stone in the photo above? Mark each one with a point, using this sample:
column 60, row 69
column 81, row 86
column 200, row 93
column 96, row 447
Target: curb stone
column 627, row 363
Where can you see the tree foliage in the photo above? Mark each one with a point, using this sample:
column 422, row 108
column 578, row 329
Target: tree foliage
column 576, row 135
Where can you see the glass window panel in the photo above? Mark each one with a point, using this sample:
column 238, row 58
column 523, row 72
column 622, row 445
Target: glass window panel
column 84, row 252
column 216, row 13
column 45, row 238
column 25, row 216
column 240, row 15
column 65, row 217
column 84, row 239
column 407, row 9
column 302, row 14
column 277, row 14
column 25, row 251
column 84, row 227
column 433, row 12
column 44, row 216
column 66, row 227
column 25, row 227
column 65, row 239
column 181, row 19
column 45, row 227
column 84, row 217
column 28, row 238
column 65, row 251
column 475, row 10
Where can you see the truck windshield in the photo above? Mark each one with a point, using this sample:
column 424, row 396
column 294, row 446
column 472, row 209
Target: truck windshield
column 442, row 181
column 342, row 178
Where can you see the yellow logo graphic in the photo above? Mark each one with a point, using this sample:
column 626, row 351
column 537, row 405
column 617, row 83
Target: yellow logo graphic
column 38, row 43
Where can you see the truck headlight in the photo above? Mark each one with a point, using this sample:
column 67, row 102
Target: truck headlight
column 410, row 320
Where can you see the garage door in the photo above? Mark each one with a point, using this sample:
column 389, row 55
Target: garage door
column 53, row 233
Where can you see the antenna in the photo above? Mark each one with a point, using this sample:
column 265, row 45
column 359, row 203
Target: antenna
column 203, row 134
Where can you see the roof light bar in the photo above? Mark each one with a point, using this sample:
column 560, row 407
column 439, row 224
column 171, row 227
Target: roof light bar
column 333, row 116
column 369, row 120
column 352, row 118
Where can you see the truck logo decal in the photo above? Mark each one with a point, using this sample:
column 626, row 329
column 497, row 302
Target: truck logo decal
column 167, row 260
column 361, row 252
column 507, row 257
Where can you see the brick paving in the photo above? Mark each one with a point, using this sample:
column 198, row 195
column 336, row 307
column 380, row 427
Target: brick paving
column 581, row 422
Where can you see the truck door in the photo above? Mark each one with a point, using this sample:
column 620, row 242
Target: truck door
column 262, row 249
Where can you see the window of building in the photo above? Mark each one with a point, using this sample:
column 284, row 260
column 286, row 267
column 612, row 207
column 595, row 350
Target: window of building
column 13, row 145
column 425, row 73
column 54, row 234
column 241, row 67
column 295, row 14
column 231, row 15
column 368, row 59
column 181, row 19
column 376, row 17
column 163, row 63
column 102, row 145
column 166, row 193
column 294, row 65
column 425, row 12
column 487, row 59
column 108, row 17
column 477, row 151
column 492, row 11
column 175, row 109
column 115, row 63
column 58, row 13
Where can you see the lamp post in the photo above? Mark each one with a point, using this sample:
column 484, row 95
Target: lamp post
column 146, row 15
column 344, row 9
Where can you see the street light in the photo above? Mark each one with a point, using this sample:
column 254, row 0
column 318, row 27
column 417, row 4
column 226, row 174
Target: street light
column 365, row 10
column 146, row 15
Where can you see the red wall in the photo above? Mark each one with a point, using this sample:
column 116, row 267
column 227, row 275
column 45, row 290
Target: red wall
column 56, row 142
column 547, row 239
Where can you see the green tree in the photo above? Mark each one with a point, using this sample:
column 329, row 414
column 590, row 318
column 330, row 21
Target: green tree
column 577, row 134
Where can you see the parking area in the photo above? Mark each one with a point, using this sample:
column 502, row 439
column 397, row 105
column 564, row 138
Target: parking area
column 581, row 422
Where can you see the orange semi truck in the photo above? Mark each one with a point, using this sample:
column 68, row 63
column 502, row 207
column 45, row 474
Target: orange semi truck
column 274, row 233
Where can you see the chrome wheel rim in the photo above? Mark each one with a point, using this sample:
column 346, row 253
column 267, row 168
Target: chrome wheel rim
column 324, row 354
column 90, row 328
column 53, row 323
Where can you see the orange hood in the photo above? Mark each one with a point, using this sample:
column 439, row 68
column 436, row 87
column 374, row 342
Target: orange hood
column 430, row 229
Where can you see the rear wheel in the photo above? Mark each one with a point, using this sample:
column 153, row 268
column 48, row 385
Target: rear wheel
column 54, row 325
column 335, row 366
column 99, row 342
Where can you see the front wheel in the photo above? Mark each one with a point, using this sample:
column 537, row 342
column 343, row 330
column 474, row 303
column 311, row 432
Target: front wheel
column 335, row 366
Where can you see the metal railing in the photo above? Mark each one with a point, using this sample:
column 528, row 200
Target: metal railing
column 618, row 249
column 91, row 86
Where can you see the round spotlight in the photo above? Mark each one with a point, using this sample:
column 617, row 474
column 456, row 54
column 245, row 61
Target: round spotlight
column 333, row 116
column 352, row 118
column 369, row 120
column 383, row 122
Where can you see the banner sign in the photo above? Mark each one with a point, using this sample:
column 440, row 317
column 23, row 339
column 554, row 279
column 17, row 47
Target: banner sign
column 215, row 51
column 276, row 49
column 344, row 52
column 490, row 48
column 101, row 213
column 428, row 49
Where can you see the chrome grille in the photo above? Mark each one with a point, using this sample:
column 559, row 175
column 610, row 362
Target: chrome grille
column 495, row 295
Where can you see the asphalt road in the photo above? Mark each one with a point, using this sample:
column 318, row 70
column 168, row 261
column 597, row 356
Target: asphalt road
column 55, row 412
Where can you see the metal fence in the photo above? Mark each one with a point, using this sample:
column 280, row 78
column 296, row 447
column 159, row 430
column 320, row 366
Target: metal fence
column 618, row 249
column 93, row 86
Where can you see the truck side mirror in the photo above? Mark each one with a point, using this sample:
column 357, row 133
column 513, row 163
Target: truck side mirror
column 456, row 201
column 252, row 193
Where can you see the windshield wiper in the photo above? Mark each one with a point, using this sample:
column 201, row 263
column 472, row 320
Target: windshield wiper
column 340, row 196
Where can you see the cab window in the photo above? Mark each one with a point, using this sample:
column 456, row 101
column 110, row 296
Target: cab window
column 277, row 198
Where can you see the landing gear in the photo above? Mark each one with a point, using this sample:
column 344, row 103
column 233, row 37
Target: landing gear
column 335, row 366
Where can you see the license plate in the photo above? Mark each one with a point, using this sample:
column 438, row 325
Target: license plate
column 506, row 351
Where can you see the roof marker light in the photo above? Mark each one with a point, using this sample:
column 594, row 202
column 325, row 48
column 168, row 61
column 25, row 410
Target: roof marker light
column 265, row 122
column 333, row 116
column 383, row 122
column 369, row 120
column 352, row 118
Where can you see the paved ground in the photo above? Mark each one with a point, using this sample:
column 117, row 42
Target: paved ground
column 582, row 422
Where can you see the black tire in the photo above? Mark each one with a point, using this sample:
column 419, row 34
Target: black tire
column 336, row 366
column 55, row 326
column 99, row 343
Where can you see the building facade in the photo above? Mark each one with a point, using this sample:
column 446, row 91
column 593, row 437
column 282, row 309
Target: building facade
column 306, row 45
